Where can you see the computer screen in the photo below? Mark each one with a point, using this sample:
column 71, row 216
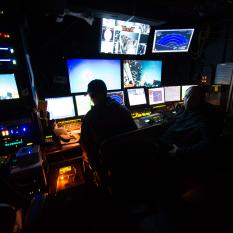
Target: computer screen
column 136, row 96
column 8, row 87
column 172, row 93
column 173, row 40
column 145, row 73
column 183, row 90
column 60, row 107
column 83, row 103
column 118, row 96
column 156, row 95
column 224, row 72
column 82, row 71
column 123, row 37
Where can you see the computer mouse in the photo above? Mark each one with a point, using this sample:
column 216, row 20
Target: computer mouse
column 64, row 137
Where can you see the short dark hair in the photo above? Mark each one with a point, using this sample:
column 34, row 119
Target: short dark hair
column 97, row 87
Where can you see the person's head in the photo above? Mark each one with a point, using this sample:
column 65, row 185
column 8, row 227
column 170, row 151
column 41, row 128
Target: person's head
column 97, row 90
column 194, row 98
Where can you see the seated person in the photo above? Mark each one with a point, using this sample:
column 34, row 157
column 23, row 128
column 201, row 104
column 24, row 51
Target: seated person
column 106, row 119
column 189, row 134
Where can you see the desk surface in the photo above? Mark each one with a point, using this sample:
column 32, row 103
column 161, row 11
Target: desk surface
column 63, row 152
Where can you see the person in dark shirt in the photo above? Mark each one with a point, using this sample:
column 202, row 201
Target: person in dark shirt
column 190, row 133
column 106, row 119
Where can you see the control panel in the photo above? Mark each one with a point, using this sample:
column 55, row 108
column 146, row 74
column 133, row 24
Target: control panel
column 15, row 134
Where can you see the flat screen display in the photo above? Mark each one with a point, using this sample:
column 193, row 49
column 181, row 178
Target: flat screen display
column 173, row 40
column 118, row 96
column 172, row 93
column 224, row 72
column 83, row 103
column 146, row 73
column 60, row 107
column 123, row 37
column 82, row 71
column 156, row 95
column 8, row 87
column 184, row 89
column 136, row 96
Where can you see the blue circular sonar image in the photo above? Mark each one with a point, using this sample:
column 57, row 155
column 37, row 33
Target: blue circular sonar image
column 172, row 40
column 117, row 98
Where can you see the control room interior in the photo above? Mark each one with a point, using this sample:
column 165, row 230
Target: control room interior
column 148, row 54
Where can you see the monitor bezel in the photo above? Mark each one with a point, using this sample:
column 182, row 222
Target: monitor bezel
column 122, row 54
column 123, row 62
column 167, row 101
column 60, row 119
column 17, row 86
column 172, row 51
column 123, row 94
column 94, row 58
column 149, row 96
column 138, row 105
column 76, row 106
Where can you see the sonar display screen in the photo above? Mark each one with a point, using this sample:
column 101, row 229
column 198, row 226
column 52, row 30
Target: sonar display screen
column 117, row 96
column 175, row 40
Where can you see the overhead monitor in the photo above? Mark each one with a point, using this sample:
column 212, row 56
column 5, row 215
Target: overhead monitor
column 118, row 96
column 136, row 96
column 124, row 37
column 138, row 73
column 8, row 87
column 60, row 107
column 83, row 103
column 172, row 40
column 224, row 73
column 156, row 95
column 172, row 93
column 184, row 89
column 82, row 71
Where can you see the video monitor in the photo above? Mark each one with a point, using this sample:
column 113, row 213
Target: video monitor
column 172, row 40
column 184, row 89
column 172, row 93
column 8, row 87
column 118, row 96
column 224, row 72
column 136, row 96
column 60, row 107
column 83, row 103
column 124, row 37
column 82, row 71
column 144, row 73
column 156, row 95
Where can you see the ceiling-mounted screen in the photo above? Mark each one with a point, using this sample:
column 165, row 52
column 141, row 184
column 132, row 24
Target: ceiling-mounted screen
column 8, row 87
column 82, row 71
column 117, row 96
column 173, row 40
column 123, row 37
column 146, row 73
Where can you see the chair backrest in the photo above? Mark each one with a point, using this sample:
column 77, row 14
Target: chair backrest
column 130, row 157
